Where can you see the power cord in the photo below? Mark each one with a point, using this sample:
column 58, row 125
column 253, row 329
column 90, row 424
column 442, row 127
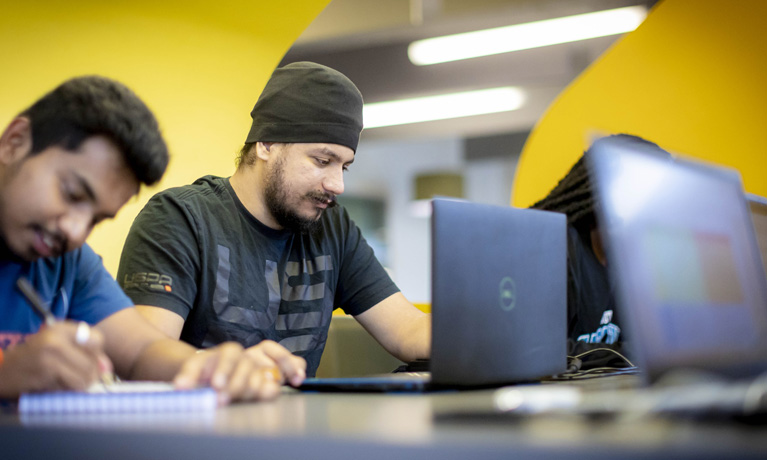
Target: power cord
column 594, row 350
column 574, row 364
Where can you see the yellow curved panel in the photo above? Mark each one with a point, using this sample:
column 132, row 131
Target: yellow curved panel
column 199, row 65
column 692, row 78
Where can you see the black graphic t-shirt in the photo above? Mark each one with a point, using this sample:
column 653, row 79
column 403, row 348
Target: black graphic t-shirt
column 196, row 250
column 592, row 316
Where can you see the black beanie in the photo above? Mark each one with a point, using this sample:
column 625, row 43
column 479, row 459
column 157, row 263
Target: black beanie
column 306, row 102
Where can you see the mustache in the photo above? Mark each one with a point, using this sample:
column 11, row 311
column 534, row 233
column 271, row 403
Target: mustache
column 59, row 242
column 328, row 198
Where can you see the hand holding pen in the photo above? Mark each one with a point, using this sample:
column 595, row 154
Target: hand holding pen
column 63, row 355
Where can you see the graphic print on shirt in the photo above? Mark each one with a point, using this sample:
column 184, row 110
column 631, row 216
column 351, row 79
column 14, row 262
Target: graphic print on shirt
column 305, row 292
column 607, row 332
column 298, row 327
column 10, row 339
column 151, row 281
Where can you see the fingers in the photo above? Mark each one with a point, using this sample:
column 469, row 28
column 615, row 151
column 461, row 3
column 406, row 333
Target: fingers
column 264, row 385
column 75, row 352
column 92, row 340
column 250, row 382
column 224, row 368
column 197, row 370
column 238, row 374
column 292, row 368
column 53, row 360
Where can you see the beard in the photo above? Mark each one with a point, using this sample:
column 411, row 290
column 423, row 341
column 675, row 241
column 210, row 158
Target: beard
column 7, row 254
column 276, row 195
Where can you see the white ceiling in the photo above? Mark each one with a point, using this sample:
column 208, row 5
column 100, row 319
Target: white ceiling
column 367, row 40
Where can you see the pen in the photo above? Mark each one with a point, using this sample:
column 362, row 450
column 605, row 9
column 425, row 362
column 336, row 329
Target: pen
column 35, row 301
column 83, row 330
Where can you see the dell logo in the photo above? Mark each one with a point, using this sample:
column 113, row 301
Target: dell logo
column 508, row 294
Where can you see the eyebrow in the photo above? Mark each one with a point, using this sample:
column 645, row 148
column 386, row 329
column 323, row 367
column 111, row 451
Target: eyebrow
column 333, row 155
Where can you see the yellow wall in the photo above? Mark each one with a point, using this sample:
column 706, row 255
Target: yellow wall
column 692, row 77
column 200, row 65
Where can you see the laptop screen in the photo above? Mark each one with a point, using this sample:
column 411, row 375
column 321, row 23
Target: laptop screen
column 682, row 248
column 499, row 294
column 758, row 207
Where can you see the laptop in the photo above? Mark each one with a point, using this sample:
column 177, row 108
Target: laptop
column 690, row 285
column 683, row 254
column 758, row 206
column 499, row 301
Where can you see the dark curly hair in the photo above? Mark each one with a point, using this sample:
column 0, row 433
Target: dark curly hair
column 92, row 105
column 573, row 194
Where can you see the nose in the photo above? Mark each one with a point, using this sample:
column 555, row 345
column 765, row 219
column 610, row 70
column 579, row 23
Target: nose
column 334, row 181
column 75, row 226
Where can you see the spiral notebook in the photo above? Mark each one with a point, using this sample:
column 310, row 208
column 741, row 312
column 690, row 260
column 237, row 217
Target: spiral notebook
column 120, row 397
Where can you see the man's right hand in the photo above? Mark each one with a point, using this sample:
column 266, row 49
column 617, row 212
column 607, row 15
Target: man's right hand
column 52, row 359
column 270, row 354
column 256, row 373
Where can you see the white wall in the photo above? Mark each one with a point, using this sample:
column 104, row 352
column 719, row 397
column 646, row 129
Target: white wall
column 386, row 170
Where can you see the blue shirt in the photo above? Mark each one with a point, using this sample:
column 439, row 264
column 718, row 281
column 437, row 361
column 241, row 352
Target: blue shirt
column 75, row 286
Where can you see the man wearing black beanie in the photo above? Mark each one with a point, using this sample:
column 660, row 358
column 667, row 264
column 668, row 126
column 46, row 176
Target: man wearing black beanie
column 265, row 256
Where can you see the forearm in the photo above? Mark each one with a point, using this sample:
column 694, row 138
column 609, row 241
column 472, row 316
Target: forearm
column 415, row 340
column 160, row 360
column 140, row 351
column 409, row 340
column 402, row 329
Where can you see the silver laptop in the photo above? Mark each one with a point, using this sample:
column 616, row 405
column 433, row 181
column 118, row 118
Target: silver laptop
column 682, row 250
column 758, row 206
column 499, row 301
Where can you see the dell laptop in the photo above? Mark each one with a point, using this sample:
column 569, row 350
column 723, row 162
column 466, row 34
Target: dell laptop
column 499, row 301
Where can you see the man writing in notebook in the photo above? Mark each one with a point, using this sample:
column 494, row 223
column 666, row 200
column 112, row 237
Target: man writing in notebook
column 69, row 161
column 265, row 255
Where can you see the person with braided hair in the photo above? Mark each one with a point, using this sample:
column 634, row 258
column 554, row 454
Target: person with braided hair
column 592, row 317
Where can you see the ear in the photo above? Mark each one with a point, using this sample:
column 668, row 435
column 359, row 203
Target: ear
column 16, row 141
column 264, row 150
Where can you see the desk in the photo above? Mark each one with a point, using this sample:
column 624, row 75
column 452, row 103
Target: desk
column 370, row 426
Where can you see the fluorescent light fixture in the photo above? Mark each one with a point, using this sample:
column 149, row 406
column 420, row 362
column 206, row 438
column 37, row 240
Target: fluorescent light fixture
column 442, row 107
column 525, row 36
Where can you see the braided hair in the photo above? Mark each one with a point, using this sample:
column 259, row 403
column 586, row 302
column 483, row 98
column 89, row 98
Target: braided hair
column 573, row 194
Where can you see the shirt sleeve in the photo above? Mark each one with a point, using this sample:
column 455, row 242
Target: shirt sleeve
column 160, row 261
column 363, row 281
column 95, row 294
